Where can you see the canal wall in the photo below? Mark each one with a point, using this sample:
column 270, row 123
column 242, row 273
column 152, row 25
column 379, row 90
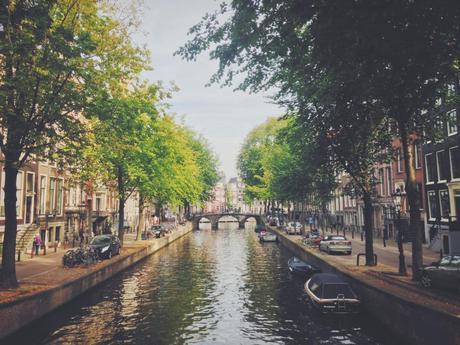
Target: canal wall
column 20, row 312
column 410, row 319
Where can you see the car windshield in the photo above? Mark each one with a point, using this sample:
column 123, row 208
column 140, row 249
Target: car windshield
column 101, row 240
column 333, row 290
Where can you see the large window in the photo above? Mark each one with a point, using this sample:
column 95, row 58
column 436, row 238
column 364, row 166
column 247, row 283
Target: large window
column 399, row 158
column 19, row 191
column 389, row 182
column 433, row 205
column 455, row 162
column 60, row 196
column 444, row 203
column 418, row 154
column 382, row 182
column 452, row 122
column 42, row 205
column 52, row 194
column 430, row 168
column 441, row 165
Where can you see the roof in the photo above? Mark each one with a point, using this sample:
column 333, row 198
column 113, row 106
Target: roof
column 326, row 278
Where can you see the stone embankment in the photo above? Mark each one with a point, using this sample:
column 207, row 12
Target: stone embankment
column 415, row 315
column 57, row 286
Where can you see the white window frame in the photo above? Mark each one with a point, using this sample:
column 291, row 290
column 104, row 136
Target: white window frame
column 429, row 203
column 437, row 167
column 34, row 192
column 450, row 164
column 52, row 197
column 449, row 122
column 440, row 203
column 427, row 170
column 389, row 180
column 20, row 199
column 40, row 214
column 399, row 161
column 61, row 206
column 418, row 166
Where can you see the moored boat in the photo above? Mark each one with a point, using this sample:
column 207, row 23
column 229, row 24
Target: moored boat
column 268, row 237
column 331, row 294
column 298, row 266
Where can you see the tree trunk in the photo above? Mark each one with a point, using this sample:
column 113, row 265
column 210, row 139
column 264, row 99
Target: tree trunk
column 413, row 200
column 121, row 205
column 8, row 272
column 368, row 226
column 140, row 226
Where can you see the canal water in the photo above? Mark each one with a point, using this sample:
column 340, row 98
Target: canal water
column 210, row 287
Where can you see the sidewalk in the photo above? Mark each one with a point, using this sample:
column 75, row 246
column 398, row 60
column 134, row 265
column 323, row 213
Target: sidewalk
column 46, row 271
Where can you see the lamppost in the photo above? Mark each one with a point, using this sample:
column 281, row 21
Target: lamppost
column 397, row 199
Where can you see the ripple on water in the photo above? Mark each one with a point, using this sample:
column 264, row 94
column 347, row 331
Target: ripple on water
column 211, row 287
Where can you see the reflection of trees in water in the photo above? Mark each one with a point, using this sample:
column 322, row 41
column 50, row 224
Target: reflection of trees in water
column 178, row 296
column 261, row 283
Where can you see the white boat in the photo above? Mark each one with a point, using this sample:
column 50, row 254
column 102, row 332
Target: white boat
column 268, row 237
column 331, row 294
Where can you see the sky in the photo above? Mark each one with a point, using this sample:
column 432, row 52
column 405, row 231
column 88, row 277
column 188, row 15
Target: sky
column 222, row 116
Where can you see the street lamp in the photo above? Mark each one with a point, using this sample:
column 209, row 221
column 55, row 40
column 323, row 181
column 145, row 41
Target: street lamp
column 397, row 199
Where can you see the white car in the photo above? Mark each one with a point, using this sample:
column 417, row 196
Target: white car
column 293, row 228
column 335, row 244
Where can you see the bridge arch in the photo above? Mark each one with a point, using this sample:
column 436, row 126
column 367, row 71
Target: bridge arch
column 215, row 217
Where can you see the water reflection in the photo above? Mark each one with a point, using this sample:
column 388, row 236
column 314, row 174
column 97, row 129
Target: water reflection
column 211, row 287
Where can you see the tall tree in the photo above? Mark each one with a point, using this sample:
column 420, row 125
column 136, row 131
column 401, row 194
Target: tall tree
column 54, row 56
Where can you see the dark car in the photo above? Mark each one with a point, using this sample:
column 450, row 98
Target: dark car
column 444, row 273
column 106, row 246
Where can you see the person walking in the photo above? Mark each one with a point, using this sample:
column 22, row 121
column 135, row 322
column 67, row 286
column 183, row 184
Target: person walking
column 37, row 243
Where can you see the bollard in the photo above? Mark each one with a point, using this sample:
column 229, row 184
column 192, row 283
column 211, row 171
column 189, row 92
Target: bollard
column 384, row 242
column 362, row 236
column 44, row 249
column 353, row 234
column 19, row 255
column 55, row 247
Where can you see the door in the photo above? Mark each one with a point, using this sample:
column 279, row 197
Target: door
column 29, row 206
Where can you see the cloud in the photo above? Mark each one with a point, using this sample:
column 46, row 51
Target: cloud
column 224, row 117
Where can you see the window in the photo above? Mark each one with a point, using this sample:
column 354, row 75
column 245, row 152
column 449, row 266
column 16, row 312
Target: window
column 454, row 154
column 52, row 194
column 42, row 205
column 432, row 204
column 418, row 154
column 389, row 182
column 19, row 190
column 381, row 181
column 444, row 203
column 441, row 165
column 430, row 168
column 452, row 122
column 60, row 196
column 399, row 158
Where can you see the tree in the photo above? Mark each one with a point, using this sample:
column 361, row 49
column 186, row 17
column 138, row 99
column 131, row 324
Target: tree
column 54, row 57
column 400, row 54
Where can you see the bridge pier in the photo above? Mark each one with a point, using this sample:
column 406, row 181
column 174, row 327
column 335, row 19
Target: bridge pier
column 214, row 224
column 241, row 224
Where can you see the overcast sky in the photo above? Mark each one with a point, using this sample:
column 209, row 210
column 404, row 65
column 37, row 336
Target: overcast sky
column 222, row 116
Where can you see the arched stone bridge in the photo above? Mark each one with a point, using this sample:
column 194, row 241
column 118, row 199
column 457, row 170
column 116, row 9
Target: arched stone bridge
column 215, row 217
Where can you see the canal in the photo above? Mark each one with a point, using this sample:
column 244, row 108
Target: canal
column 209, row 287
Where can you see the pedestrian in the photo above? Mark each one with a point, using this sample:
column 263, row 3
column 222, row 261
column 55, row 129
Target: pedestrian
column 37, row 243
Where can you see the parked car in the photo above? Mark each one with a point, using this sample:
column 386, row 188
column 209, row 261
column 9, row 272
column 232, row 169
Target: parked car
column 314, row 232
column 293, row 228
column 313, row 240
column 331, row 294
column 444, row 273
column 106, row 246
column 298, row 266
column 335, row 244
